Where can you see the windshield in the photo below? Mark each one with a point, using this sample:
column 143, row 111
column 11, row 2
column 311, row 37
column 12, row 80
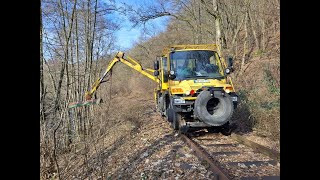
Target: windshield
column 195, row 64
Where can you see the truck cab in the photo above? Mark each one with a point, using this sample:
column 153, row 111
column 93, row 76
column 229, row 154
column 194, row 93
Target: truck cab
column 185, row 72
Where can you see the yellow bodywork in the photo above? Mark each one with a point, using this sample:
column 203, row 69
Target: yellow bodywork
column 129, row 62
column 188, row 85
column 172, row 86
column 185, row 86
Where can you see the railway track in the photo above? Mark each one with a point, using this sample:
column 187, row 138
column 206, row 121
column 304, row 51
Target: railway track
column 234, row 157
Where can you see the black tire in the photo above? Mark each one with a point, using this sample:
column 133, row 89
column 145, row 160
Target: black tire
column 226, row 129
column 161, row 106
column 175, row 123
column 173, row 117
column 214, row 129
column 222, row 111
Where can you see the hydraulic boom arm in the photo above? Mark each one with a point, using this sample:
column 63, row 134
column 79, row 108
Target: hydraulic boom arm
column 119, row 57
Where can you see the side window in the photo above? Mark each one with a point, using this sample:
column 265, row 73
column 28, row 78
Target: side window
column 165, row 69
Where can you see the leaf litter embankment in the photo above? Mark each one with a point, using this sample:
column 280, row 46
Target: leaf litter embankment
column 138, row 145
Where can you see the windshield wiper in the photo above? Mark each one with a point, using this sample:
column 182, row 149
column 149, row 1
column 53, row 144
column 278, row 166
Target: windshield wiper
column 196, row 75
column 219, row 77
column 191, row 76
column 208, row 77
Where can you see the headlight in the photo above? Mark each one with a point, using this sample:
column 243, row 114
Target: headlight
column 187, row 93
column 179, row 101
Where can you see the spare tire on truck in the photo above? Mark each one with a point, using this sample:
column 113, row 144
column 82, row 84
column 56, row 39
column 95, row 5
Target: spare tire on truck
column 214, row 110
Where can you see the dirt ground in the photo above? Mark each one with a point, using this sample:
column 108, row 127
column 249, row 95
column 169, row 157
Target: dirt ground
column 139, row 144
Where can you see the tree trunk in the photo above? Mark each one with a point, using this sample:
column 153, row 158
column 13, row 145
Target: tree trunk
column 244, row 42
column 253, row 31
column 263, row 35
column 199, row 25
column 67, row 35
column 233, row 45
column 216, row 22
column 42, row 91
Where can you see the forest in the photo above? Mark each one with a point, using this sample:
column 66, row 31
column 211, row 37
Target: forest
column 78, row 38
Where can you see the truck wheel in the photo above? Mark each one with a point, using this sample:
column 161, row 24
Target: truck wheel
column 170, row 114
column 213, row 129
column 183, row 128
column 174, row 117
column 176, row 121
column 226, row 129
column 214, row 111
column 161, row 106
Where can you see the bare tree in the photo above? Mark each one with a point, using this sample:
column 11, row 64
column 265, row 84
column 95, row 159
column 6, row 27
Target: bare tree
column 76, row 42
column 71, row 33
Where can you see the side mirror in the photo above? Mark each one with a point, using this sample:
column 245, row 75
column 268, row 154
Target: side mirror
column 156, row 73
column 230, row 61
column 156, row 65
column 172, row 75
column 230, row 64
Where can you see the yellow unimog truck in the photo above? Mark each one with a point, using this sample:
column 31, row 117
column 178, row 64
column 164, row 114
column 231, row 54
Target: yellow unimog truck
column 193, row 87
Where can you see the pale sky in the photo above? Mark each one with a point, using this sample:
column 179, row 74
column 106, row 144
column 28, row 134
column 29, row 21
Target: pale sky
column 127, row 36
